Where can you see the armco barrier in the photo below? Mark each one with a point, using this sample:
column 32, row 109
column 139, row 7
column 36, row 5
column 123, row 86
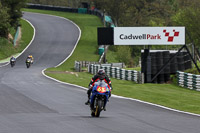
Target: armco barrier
column 188, row 80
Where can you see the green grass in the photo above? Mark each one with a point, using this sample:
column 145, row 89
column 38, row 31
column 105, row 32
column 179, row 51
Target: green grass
column 194, row 70
column 111, row 57
column 7, row 49
column 168, row 95
column 135, row 68
column 27, row 34
column 12, row 31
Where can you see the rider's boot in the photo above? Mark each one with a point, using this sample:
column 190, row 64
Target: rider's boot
column 104, row 108
column 87, row 102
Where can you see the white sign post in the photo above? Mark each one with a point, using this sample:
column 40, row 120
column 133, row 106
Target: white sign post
column 149, row 35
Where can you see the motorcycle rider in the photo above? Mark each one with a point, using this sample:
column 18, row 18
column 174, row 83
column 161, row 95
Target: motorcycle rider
column 12, row 59
column 101, row 75
column 30, row 57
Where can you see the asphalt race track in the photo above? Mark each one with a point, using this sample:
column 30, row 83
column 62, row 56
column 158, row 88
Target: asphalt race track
column 33, row 103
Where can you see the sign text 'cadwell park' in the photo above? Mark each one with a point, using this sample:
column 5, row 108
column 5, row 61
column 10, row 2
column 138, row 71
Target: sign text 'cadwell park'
column 149, row 35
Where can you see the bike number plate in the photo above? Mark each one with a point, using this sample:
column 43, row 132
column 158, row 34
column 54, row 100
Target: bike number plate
column 101, row 89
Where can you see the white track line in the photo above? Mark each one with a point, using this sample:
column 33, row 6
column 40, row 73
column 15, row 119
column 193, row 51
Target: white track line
column 112, row 95
column 5, row 64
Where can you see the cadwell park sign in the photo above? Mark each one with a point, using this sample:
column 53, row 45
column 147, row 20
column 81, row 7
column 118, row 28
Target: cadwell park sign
column 141, row 36
column 149, row 36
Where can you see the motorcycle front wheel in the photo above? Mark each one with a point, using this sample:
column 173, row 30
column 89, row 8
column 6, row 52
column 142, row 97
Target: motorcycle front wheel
column 28, row 65
column 99, row 108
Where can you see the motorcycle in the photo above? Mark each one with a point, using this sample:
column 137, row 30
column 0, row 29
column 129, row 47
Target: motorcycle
column 28, row 62
column 12, row 62
column 99, row 97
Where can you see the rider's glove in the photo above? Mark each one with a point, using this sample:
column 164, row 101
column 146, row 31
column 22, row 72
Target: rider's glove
column 90, row 86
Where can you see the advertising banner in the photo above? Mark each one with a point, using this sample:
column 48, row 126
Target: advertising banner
column 149, row 35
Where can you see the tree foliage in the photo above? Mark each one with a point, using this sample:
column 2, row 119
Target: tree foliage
column 136, row 13
column 4, row 21
column 10, row 14
column 124, row 54
column 189, row 16
column 14, row 10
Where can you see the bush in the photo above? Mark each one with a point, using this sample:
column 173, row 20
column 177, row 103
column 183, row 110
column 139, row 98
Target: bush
column 124, row 55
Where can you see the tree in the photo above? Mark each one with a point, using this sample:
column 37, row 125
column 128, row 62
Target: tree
column 14, row 10
column 189, row 17
column 137, row 13
column 4, row 21
column 124, row 54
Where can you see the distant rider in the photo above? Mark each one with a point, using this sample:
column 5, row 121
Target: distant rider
column 101, row 75
column 30, row 57
column 12, row 59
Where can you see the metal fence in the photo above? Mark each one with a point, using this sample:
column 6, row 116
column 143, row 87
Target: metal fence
column 188, row 80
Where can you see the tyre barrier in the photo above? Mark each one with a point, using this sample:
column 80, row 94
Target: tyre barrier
column 116, row 72
column 79, row 64
column 180, row 62
column 173, row 64
column 188, row 80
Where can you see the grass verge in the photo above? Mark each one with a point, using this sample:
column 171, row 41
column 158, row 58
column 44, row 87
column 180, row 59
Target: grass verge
column 7, row 49
column 168, row 95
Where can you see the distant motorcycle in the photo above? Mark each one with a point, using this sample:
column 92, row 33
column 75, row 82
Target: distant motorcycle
column 99, row 97
column 28, row 62
column 12, row 62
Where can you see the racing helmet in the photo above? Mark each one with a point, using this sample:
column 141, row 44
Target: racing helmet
column 101, row 73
